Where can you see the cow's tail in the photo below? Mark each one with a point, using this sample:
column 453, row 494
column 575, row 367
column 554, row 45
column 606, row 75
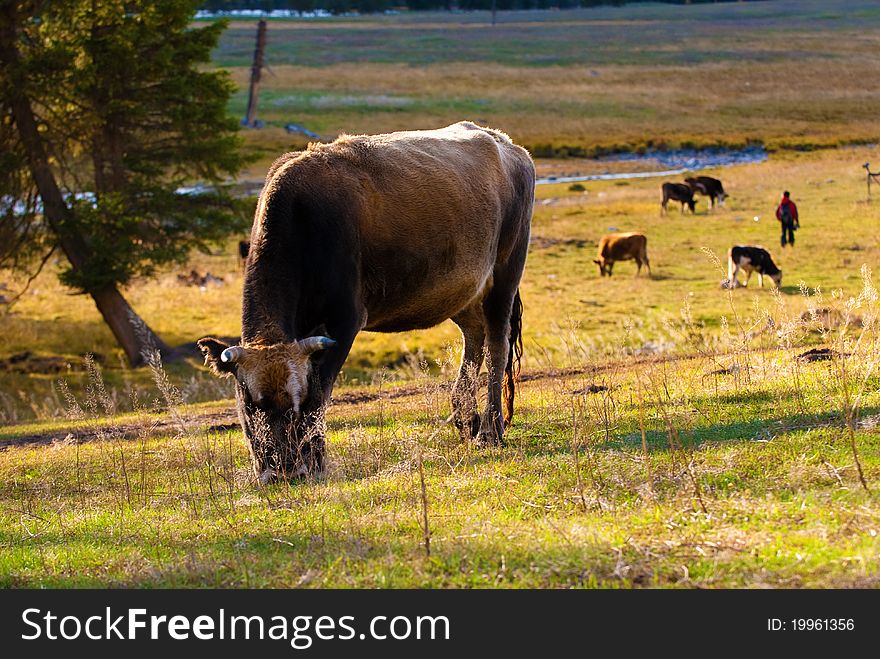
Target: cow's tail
column 514, row 355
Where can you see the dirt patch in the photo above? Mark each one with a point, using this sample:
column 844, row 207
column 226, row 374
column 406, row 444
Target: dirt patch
column 728, row 370
column 29, row 363
column 540, row 242
column 202, row 280
column 214, row 421
column 821, row 354
column 220, row 421
column 830, row 319
column 590, row 389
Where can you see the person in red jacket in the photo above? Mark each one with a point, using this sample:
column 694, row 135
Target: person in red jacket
column 787, row 215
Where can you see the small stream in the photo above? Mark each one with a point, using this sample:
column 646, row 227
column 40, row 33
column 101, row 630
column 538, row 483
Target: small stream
column 668, row 163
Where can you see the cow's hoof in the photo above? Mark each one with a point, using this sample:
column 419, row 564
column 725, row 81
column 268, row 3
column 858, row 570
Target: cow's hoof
column 489, row 438
column 269, row 476
column 475, row 425
column 469, row 430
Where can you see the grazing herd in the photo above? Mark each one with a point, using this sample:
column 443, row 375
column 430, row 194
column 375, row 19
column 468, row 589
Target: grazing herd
column 746, row 258
column 684, row 192
column 389, row 233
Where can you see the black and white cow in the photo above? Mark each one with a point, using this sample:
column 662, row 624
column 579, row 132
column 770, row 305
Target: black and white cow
column 708, row 187
column 751, row 258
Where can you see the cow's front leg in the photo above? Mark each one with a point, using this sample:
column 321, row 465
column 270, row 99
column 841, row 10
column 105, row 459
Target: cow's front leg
column 309, row 454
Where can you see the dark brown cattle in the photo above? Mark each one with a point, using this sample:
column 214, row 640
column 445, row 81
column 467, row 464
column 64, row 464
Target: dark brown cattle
column 384, row 233
column 751, row 258
column 678, row 192
column 708, row 187
column 622, row 247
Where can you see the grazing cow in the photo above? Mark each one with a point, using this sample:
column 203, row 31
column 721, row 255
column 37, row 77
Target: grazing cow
column 244, row 246
column 622, row 247
column 751, row 258
column 385, row 233
column 708, row 187
column 678, row 192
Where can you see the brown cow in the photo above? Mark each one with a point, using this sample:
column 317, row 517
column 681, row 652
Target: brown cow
column 384, row 233
column 622, row 247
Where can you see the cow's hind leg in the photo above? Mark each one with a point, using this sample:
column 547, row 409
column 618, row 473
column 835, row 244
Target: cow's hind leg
column 500, row 308
column 464, row 393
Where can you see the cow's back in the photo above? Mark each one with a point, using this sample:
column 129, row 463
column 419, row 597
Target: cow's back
column 622, row 246
column 711, row 185
column 677, row 191
column 754, row 257
column 428, row 214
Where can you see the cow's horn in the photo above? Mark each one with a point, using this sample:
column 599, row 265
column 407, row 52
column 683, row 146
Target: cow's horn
column 315, row 343
column 232, row 355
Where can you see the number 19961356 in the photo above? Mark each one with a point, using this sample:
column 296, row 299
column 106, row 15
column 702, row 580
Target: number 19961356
column 811, row 624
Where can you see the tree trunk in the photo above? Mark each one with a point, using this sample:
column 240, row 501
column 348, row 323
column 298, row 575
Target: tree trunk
column 131, row 333
column 116, row 311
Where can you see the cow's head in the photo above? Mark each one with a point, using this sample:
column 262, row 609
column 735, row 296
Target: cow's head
column 272, row 384
column 692, row 204
column 721, row 197
column 604, row 266
column 777, row 278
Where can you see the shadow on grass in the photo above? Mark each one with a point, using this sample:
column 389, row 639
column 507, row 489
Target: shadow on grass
column 794, row 290
column 761, row 429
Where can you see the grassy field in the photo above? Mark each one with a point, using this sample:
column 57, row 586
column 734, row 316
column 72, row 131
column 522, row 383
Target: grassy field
column 571, row 316
column 672, row 476
column 666, row 433
column 745, row 474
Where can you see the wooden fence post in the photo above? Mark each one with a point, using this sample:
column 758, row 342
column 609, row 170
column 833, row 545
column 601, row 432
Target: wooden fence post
column 871, row 175
column 250, row 117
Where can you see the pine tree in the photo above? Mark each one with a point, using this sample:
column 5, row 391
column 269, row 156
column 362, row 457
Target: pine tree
column 106, row 110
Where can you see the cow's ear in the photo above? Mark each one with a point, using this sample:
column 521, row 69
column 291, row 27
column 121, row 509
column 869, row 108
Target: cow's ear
column 597, row 262
column 213, row 349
